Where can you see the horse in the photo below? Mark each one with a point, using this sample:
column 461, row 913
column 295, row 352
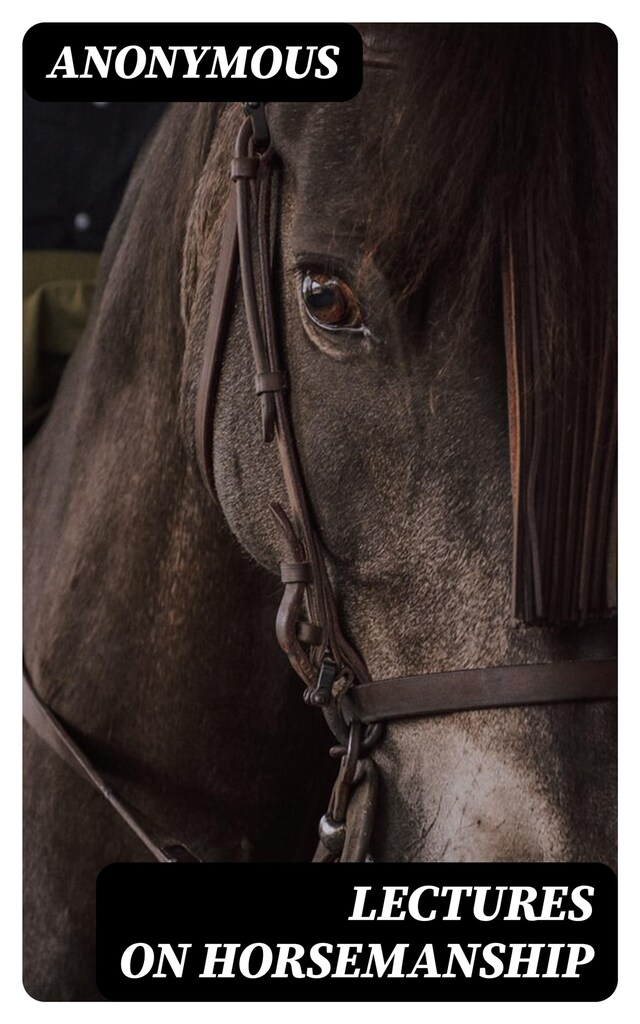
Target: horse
column 392, row 229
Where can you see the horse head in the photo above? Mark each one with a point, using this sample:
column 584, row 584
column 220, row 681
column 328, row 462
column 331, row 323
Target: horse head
column 386, row 231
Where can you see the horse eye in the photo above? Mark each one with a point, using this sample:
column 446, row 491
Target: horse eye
column 330, row 303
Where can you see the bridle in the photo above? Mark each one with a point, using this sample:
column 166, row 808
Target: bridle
column 308, row 625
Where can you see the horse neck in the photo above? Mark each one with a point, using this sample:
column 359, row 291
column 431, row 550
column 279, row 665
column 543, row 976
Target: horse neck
column 137, row 600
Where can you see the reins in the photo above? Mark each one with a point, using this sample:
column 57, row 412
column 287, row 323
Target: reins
column 55, row 734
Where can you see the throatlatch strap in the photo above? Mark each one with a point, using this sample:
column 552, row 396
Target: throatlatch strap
column 471, row 689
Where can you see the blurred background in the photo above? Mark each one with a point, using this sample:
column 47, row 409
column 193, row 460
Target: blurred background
column 77, row 158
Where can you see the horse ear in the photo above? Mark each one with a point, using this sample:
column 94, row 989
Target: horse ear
column 563, row 434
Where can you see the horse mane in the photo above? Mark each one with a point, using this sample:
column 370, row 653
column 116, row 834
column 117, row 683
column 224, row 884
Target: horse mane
column 507, row 145
column 498, row 170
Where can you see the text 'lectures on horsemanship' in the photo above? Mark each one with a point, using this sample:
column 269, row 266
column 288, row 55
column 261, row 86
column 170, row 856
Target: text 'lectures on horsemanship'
column 133, row 61
column 426, row 903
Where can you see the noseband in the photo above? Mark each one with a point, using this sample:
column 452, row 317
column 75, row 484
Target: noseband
column 308, row 625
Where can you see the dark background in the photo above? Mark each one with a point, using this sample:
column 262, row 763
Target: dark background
column 77, row 159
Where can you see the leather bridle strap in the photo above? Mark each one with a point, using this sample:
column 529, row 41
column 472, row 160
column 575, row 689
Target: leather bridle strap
column 51, row 731
column 317, row 648
column 471, row 689
column 217, row 330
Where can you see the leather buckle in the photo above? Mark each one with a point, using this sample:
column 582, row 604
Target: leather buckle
column 261, row 135
column 322, row 693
